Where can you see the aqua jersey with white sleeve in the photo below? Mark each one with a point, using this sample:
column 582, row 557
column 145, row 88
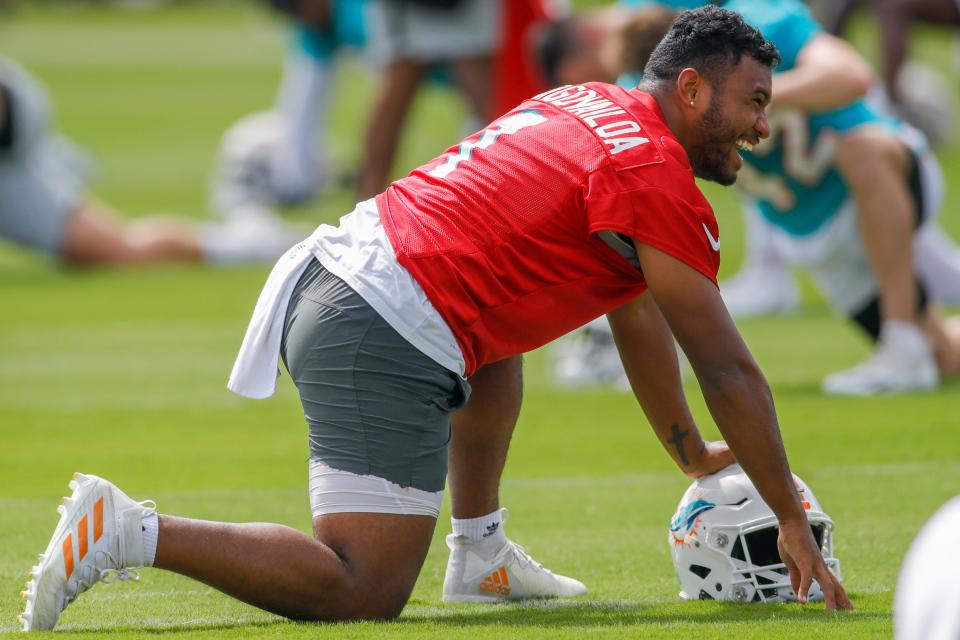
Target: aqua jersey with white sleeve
column 792, row 174
column 347, row 29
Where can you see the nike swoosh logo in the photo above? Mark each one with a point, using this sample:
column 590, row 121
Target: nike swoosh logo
column 713, row 241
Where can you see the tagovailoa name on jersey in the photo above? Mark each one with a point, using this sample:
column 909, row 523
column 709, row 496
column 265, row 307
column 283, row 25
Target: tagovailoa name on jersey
column 605, row 117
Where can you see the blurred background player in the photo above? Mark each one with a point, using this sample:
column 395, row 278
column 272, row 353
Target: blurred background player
column 765, row 284
column 847, row 211
column 918, row 93
column 279, row 158
column 326, row 28
column 407, row 38
column 45, row 206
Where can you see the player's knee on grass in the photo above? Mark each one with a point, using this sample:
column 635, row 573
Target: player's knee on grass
column 382, row 555
column 870, row 319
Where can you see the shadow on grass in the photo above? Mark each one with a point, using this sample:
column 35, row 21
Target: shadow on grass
column 173, row 627
column 557, row 614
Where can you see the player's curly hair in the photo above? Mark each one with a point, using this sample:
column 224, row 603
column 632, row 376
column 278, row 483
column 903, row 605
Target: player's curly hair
column 710, row 40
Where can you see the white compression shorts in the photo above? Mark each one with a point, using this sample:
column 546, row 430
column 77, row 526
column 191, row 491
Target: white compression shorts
column 335, row 491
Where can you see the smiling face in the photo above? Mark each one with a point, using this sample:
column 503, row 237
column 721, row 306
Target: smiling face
column 735, row 118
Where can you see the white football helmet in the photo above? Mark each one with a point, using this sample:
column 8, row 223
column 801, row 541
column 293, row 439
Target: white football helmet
column 243, row 170
column 723, row 539
column 257, row 167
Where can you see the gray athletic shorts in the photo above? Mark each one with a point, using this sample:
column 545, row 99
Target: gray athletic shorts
column 399, row 29
column 42, row 176
column 375, row 404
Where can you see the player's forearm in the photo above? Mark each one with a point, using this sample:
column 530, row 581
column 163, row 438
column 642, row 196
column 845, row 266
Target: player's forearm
column 650, row 361
column 661, row 398
column 740, row 402
column 818, row 90
column 829, row 74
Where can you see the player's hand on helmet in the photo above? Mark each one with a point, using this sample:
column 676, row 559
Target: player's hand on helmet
column 800, row 553
column 713, row 457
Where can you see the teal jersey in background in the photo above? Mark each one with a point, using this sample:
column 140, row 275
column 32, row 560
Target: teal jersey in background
column 793, row 177
column 347, row 29
column 679, row 5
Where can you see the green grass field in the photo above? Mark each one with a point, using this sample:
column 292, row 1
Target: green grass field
column 123, row 374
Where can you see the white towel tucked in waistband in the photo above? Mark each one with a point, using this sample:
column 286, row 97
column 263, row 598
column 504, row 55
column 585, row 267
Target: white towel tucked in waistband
column 256, row 369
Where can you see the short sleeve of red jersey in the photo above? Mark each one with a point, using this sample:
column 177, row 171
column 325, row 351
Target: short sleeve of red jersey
column 667, row 221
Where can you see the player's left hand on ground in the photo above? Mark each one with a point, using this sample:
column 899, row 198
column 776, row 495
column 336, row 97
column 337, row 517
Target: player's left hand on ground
column 714, row 456
column 800, row 553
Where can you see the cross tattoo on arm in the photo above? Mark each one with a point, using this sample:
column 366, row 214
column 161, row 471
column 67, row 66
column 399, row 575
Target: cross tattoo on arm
column 677, row 441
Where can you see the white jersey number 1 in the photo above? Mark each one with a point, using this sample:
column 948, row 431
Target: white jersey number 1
column 507, row 126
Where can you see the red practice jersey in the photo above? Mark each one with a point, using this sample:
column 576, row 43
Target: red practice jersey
column 517, row 234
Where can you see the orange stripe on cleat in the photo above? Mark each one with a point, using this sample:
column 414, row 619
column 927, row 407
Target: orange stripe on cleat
column 68, row 555
column 496, row 577
column 82, row 537
column 503, row 575
column 97, row 519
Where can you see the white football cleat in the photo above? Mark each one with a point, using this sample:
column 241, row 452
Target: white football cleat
column 98, row 539
column 242, row 174
column 496, row 571
column 887, row 371
column 758, row 291
column 589, row 357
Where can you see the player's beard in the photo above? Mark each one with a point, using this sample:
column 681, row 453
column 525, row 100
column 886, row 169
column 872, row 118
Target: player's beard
column 711, row 156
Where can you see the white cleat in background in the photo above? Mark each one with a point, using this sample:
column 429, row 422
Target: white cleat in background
column 757, row 291
column 889, row 370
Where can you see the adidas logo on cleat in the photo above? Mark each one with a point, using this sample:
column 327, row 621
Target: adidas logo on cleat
column 497, row 582
column 83, row 534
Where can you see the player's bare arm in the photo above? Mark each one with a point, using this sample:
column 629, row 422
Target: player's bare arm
column 647, row 349
column 740, row 402
column 829, row 74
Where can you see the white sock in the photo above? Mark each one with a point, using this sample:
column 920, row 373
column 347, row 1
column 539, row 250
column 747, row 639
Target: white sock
column 255, row 235
column 904, row 337
column 482, row 528
column 298, row 161
column 151, row 530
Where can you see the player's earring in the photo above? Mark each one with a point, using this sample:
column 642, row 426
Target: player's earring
column 691, row 103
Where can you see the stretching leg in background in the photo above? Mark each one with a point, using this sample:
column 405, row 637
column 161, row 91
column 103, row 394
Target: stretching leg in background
column 45, row 206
